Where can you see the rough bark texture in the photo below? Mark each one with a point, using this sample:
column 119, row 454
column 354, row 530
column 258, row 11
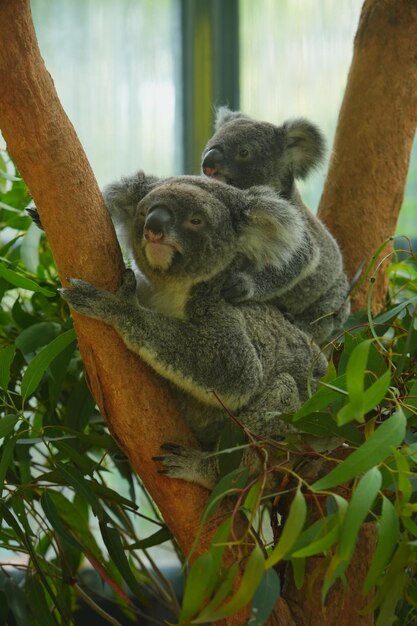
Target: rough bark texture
column 365, row 183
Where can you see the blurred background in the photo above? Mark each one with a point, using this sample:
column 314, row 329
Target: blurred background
column 140, row 79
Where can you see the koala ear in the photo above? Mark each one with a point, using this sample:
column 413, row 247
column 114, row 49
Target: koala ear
column 224, row 115
column 305, row 146
column 273, row 228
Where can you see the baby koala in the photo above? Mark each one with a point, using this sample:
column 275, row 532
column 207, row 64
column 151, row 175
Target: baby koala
column 309, row 283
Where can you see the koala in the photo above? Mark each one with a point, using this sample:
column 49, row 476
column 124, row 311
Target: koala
column 310, row 285
column 184, row 234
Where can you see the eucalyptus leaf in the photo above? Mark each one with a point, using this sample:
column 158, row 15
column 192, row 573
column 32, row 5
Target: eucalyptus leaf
column 375, row 450
column 359, row 506
column 7, row 424
column 17, row 280
column 265, row 598
column 199, row 586
column 388, row 536
column 6, row 359
column 291, row 531
column 251, row 579
column 37, row 367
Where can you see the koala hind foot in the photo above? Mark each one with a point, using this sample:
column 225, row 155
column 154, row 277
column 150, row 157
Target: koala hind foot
column 189, row 464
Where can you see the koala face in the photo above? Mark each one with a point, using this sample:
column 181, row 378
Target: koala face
column 186, row 228
column 244, row 152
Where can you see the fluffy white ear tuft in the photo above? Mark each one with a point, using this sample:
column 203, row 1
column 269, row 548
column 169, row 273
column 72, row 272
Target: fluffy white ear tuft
column 305, row 146
column 274, row 231
column 224, row 115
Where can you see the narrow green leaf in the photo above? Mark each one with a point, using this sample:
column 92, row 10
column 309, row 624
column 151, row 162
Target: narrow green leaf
column 250, row 582
column 29, row 249
column 219, row 543
column 355, row 378
column 232, row 436
column 265, row 598
column 11, row 521
column 395, row 592
column 322, row 398
column 56, row 522
column 370, row 399
column 298, row 572
column 36, row 336
column 391, row 313
column 6, row 359
column 292, row 529
column 323, row 543
column 7, row 423
column 376, row 449
column 6, row 459
column 403, row 477
column 38, row 605
column 17, row 280
column 37, row 367
column 198, row 587
column 388, row 536
column 83, row 487
column 17, row 602
column 360, row 505
column 224, row 590
column 252, row 499
column 410, row 402
column 225, row 487
column 156, row 539
column 323, row 425
column 116, row 552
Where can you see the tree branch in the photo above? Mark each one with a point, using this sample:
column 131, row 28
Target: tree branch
column 365, row 183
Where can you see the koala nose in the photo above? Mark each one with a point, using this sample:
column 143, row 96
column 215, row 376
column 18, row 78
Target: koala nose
column 212, row 160
column 158, row 221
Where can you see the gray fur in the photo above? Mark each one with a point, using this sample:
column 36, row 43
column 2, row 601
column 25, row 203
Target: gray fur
column 310, row 285
column 247, row 355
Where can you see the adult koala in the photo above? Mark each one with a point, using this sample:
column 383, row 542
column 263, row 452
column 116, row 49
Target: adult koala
column 311, row 285
column 184, row 234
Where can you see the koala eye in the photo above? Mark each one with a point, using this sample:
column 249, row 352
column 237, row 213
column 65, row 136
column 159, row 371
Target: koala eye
column 243, row 153
column 195, row 222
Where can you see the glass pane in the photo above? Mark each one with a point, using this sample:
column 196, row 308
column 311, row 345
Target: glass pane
column 114, row 65
column 295, row 57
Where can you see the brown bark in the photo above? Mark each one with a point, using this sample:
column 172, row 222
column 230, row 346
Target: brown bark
column 377, row 121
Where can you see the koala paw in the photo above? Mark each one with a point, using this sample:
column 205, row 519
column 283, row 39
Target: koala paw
column 188, row 464
column 127, row 289
column 87, row 300
column 238, row 287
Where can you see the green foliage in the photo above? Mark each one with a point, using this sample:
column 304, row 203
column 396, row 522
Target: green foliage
column 61, row 505
column 60, row 471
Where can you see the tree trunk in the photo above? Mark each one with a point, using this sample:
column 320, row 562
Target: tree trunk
column 133, row 399
column 365, row 183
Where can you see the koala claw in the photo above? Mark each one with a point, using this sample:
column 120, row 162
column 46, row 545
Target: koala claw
column 237, row 288
column 86, row 299
column 188, row 464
